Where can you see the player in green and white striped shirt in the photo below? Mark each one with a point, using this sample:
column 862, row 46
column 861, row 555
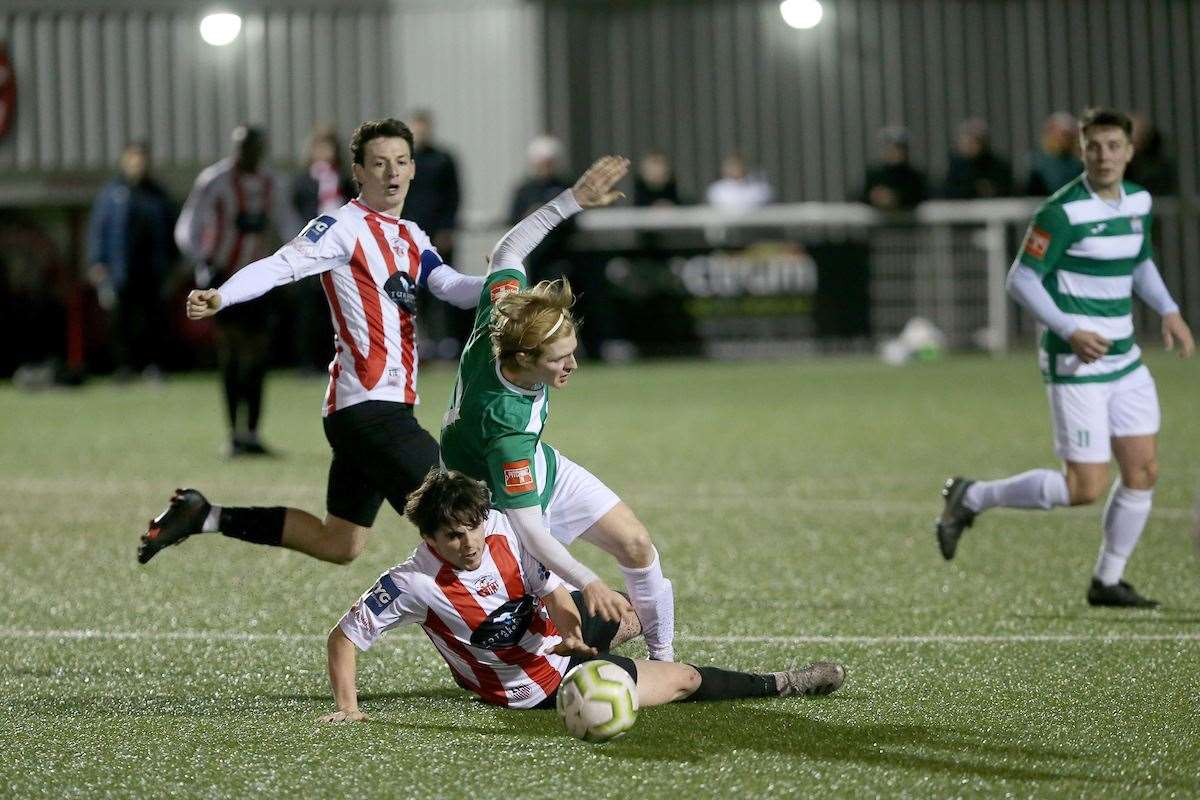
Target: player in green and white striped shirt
column 1085, row 255
column 524, row 345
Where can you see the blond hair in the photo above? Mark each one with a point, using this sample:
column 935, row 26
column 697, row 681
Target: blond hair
column 527, row 321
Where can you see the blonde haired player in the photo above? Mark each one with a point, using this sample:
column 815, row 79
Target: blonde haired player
column 524, row 345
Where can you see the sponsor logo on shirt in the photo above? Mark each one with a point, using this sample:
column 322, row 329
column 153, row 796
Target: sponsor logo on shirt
column 501, row 288
column 1097, row 228
column 403, row 291
column 1037, row 242
column 487, row 585
column 316, row 229
column 505, row 626
column 382, row 594
column 518, row 477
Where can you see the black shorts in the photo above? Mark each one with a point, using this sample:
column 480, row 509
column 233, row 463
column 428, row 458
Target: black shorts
column 379, row 452
column 598, row 633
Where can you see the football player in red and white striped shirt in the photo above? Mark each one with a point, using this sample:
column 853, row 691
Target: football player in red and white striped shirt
column 371, row 264
column 225, row 225
column 507, row 627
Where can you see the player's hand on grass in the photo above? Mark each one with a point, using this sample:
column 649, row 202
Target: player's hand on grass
column 595, row 187
column 345, row 716
column 603, row 602
column 1174, row 330
column 202, row 303
column 1088, row 345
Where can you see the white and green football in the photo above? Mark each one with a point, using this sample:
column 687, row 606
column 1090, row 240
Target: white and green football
column 597, row 701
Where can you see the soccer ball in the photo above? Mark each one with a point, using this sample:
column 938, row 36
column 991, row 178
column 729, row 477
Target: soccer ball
column 597, row 701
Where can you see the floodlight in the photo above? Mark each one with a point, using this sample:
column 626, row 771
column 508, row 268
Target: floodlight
column 220, row 29
column 801, row 13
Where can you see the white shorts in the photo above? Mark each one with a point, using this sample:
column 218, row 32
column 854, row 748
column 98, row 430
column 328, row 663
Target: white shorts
column 578, row 501
column 1087, row 415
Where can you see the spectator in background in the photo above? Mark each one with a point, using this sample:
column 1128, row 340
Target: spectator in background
column 544, row 182
column 225, row 225
column 654, row 183
column 1057, row 163
column 1151, row 168
column 738, row 189
column 131, row 254
column 434, row 197
column 322, row 187
column 893, row 183
column 975, row 171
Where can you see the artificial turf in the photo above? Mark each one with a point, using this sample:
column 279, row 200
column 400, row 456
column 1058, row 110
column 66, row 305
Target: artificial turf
column 792, row 504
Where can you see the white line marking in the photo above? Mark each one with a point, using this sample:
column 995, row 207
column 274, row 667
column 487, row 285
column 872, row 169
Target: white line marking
column 645, row 496
column 242, row 636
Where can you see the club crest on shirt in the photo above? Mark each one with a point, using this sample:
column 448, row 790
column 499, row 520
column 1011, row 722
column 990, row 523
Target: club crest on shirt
column 1135, row 224
column 399, row 247
column 487, row 586
column 1037, row 242
column 501, row 288
column 518, row 477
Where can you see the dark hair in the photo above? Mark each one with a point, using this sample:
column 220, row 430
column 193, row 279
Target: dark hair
column 446, row 500
column 1106, row 117
column 377, row 129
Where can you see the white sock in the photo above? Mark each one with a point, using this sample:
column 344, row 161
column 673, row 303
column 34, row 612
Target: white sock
column 212, row 523
column 1037, row 488
column 654, row 601
column 1124, row 519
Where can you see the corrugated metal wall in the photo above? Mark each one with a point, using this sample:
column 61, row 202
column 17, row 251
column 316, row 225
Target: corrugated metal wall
column 477, row 64
column 90, row 80
column 92, row 76
column 700, row 77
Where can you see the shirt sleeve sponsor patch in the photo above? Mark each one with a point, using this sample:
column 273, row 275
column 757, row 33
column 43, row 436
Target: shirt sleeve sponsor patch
column 518, row 477
column 501, row 288
column 317, row 228
column 1037, row 242
column 382, row 594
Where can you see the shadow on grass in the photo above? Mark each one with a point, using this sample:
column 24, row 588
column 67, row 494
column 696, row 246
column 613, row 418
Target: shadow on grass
column 688, row 733
column 1160, row 616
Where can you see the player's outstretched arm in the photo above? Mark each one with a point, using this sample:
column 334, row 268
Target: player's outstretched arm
column 342, row 657
column 596, row 187
column 202, row 303
column 593, row 189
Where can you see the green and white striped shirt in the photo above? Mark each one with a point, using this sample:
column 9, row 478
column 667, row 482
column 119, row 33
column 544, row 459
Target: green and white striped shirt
column 1085, row 250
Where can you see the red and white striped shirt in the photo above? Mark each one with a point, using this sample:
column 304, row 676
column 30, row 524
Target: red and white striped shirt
column 371, row 265
column 225, row 222
column 489, row 624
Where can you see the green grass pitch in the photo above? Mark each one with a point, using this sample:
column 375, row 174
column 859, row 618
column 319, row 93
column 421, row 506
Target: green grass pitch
column 792, row 503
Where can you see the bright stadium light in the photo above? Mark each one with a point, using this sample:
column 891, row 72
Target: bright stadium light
column 802, row 14
column 220, row 29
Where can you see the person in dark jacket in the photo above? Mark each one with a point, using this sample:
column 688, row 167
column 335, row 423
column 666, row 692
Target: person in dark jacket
column 975, row 170
column 1151, row 167
column 131, row 253
column 893, row 183
column 433, row 201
